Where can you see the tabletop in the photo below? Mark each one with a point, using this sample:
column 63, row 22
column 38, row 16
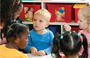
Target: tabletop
column 33, row 56
column 46, row 56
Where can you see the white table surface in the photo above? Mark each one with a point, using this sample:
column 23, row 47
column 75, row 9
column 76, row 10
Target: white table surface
column 33, row 56
column 46, row 56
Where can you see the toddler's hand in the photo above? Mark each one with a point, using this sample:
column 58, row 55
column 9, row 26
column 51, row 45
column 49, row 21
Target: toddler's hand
column 33, row 50
column 41, row 53
column 67, row 27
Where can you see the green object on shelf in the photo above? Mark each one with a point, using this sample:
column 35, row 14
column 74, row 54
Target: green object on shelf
column 26, row 19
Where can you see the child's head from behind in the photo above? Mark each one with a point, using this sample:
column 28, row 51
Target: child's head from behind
column 69, row 43
column 84, row 17
column 17, row 34
column 41, row 19
column 10, row 9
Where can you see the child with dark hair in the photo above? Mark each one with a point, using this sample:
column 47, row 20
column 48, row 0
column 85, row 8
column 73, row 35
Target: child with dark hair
column 17, row 37
column 8, row 23
column 10, row 9
column 84, row 24
column 70, row 44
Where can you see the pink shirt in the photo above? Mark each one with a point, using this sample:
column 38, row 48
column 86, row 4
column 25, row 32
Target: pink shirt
column 4, row 39
column 88, row 39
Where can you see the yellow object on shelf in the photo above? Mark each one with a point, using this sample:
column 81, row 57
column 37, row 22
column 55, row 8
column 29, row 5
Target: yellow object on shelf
column 78, row 5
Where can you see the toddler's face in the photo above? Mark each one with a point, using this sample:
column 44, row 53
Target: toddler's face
column 23, row 40
column 82, row 22
column 39, row 22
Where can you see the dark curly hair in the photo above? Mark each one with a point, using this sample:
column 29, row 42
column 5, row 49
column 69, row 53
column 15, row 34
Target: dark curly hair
column 8, row 8
column 12, row 29
column 70, row 44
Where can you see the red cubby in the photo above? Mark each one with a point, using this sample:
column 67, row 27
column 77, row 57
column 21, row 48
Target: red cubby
column 61, row 12
column 76, row 14
column 34, row 6
column 77, row 7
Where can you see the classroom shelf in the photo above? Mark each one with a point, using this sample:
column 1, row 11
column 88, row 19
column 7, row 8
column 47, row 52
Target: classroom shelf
column 43, row 5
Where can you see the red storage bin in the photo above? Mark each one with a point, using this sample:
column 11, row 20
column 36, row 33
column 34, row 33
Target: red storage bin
column 76, row 14
column 77, row 6
column 75, row 28
column 61, row 12
column 28, row 11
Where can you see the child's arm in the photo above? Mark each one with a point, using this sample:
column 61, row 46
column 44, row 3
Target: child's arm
column 3, row 41
column 28, row 47
column 67, row 27
column 44, row 52
column 48, row 50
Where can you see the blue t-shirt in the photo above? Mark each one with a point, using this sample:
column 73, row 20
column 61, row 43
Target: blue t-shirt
column 40, row 41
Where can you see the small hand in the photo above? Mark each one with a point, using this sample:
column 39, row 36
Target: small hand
column 67, row 27
column 41, row 53
column 33, row 50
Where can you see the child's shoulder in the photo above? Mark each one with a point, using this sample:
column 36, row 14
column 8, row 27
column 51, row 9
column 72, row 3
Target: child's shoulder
column 18, row 54
column 49, row 32
column 22, row 55
column 1, row 46
column 32, row 31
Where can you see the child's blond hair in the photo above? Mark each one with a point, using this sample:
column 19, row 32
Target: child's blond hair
column 44, row 13
column 86, row 13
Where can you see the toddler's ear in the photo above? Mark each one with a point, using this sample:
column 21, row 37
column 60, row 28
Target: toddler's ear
column 16, row 41
column 47, row 24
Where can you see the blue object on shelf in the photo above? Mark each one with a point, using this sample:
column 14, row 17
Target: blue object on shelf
column 54, row 29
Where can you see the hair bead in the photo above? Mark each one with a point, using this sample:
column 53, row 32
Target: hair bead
column 61, row 37
column 79, row 34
